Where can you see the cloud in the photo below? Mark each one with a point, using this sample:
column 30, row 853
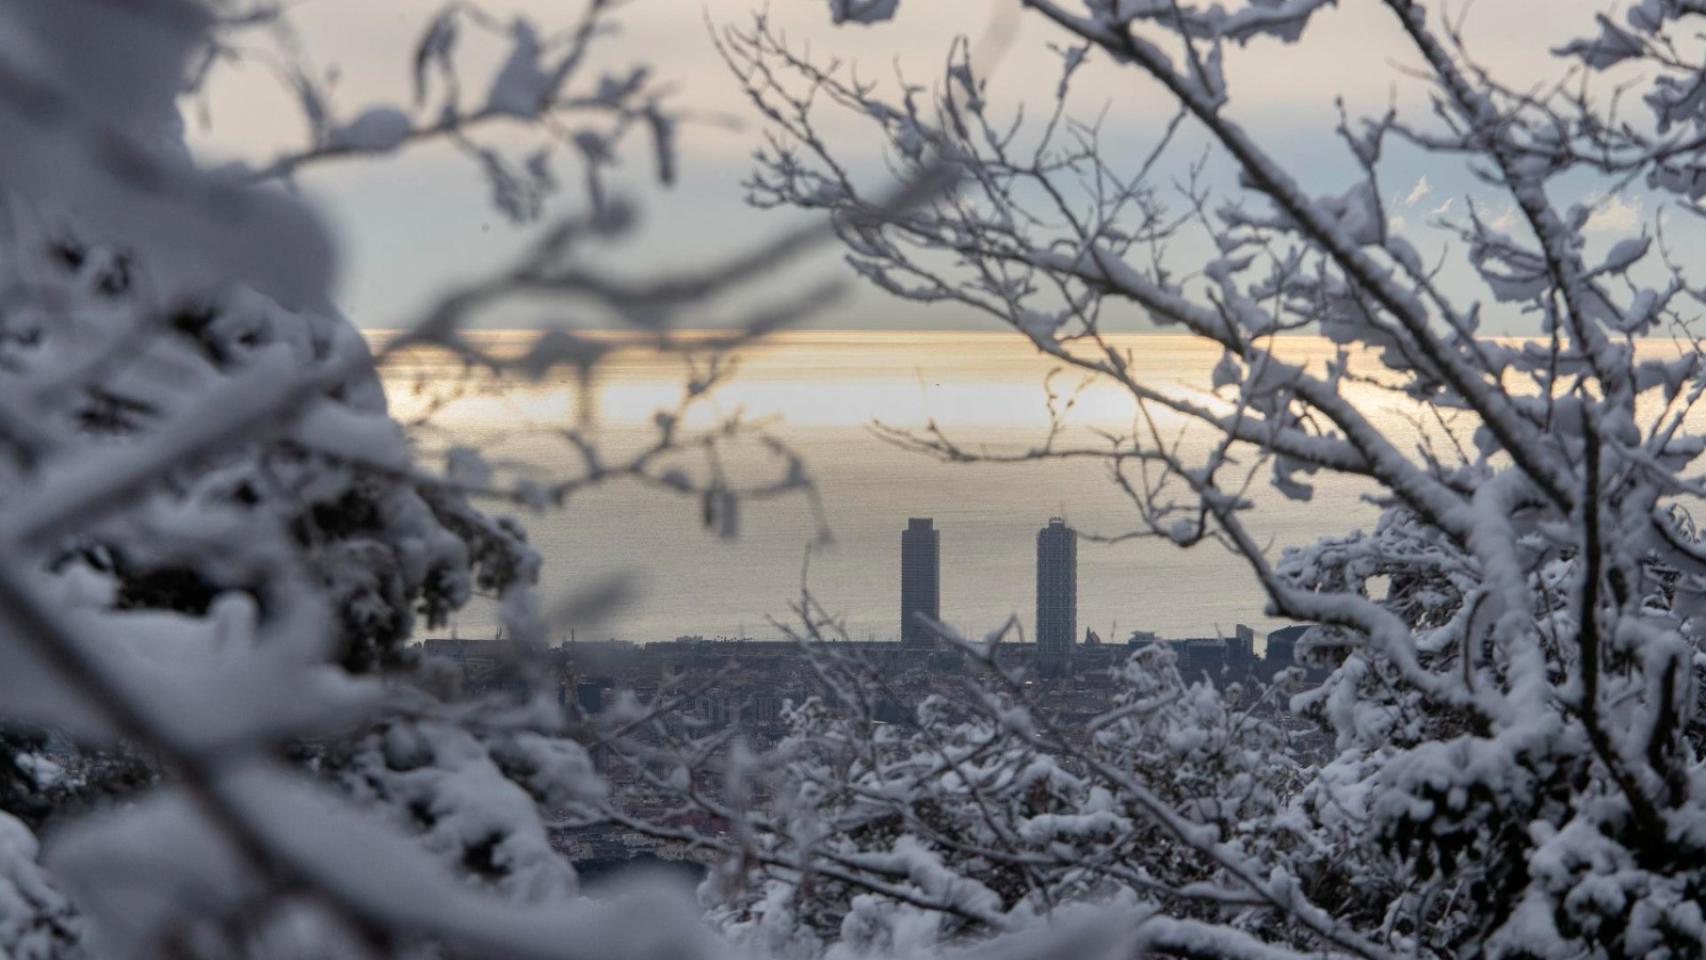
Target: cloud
column 1420, row 190
column 1395, row 224
column 1614, row 214
column 1503, row 221
column 1443, row 208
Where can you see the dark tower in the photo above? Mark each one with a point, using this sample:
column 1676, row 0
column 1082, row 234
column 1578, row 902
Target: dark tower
column 920, row 579
column 1057, row 588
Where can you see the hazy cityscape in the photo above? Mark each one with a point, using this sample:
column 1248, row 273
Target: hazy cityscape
column 750, row 686
column 919, row 641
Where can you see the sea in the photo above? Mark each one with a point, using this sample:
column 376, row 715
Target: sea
column 828, row 396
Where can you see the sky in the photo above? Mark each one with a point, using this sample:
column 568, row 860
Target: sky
column 415, row 222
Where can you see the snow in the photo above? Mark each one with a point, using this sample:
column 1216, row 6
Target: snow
column 36, row 921
column 1613, row 45
column 352, row 435
column 862, row 11
column 376, row 130
column 522, row 85
column 1624, row 254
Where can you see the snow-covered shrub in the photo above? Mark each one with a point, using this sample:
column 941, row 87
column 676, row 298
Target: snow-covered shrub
column 388, row 548
column 979, row 812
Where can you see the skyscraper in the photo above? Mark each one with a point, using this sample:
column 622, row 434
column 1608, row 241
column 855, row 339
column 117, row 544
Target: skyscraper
column 1057, row 588
column 920, row 579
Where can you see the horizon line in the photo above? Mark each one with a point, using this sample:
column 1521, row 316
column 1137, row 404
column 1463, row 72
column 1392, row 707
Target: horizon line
column 709, row 332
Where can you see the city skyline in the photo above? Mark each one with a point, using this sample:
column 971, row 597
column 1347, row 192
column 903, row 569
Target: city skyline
column 1056, row 624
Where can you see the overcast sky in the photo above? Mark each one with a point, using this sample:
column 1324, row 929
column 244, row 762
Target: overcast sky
column 414, row 222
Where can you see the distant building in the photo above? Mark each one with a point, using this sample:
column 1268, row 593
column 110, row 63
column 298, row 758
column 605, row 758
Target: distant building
column 1057, row 588
column 1219, row 660
column 592, row 695
column 1201, row 658
column 920, row 579
column 1241, row 646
